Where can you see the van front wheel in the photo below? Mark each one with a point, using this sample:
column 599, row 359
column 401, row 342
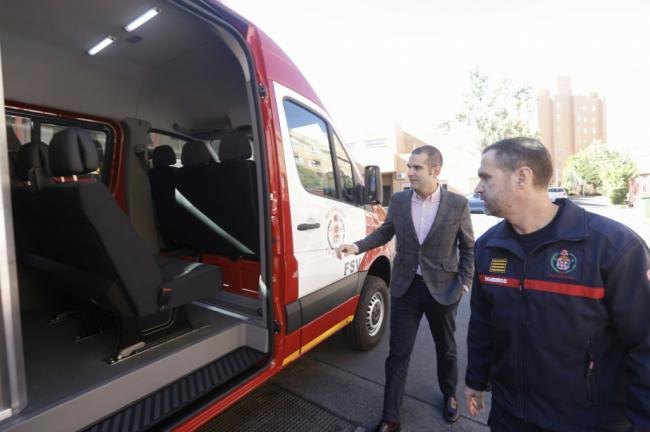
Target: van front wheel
column 371, row 316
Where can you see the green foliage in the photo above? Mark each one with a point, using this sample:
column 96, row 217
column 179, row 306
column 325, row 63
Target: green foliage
column 602, row 169
column 496, row 110
column 586, row 167
column 617, row 176
column 617, row 196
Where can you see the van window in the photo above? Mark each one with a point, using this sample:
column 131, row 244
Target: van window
column 346, row 179
column 21, row 128
column 28, row 129
column 311, row 150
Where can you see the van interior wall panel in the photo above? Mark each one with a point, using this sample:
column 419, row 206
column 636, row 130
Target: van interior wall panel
column 187, row 76
column 138, row 195
column 239, row 277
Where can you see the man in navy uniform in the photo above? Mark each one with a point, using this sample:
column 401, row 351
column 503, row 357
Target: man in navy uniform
column 559, row 328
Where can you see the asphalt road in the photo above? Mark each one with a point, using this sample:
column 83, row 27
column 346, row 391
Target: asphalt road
column 350, row 384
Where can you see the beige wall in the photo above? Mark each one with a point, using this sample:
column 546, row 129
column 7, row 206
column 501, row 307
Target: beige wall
column 568, row 123
column 545, row 120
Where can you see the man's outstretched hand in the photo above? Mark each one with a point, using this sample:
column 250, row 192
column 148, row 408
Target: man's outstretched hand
column 346, row 249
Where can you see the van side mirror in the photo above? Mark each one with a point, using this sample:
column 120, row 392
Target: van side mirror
column 373, row 192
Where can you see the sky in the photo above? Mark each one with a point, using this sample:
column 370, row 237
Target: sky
column 377, row 63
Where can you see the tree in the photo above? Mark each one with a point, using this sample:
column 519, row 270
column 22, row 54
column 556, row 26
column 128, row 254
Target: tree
column 587, row 166
column 495, row 110
column 617, row 176
column 604, row 169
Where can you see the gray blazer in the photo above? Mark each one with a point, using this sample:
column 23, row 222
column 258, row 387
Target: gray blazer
column 446, row 256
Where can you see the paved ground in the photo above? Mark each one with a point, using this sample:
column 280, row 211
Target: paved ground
column 350, row 384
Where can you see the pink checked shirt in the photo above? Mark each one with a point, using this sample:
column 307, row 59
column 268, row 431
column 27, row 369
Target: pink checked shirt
column 424, row 212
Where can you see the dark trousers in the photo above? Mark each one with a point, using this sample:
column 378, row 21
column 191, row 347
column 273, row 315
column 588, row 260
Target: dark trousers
column 406, row 313
column 502, row 421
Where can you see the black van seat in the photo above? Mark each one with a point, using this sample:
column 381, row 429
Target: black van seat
column 13, row 146
column 33, row 165
column 239, row 195
column 162, row 180
column 199, row 181
column 85, row 239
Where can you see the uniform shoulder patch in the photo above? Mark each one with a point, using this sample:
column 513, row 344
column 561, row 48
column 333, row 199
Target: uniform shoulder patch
column 563, row 262
column 498, row 265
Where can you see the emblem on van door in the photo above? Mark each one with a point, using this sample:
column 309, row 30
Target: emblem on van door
column 335, row 228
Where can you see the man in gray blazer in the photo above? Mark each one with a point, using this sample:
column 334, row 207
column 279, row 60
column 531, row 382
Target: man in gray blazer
column 434, row 264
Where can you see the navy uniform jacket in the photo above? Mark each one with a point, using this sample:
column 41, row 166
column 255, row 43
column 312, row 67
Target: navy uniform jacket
column 562, row 335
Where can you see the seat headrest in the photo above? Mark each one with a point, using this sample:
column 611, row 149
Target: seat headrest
column 195, row 153
column 234, row 146
column 32, row 155
column 163, row 156
column 72, row 152
column 13, row 143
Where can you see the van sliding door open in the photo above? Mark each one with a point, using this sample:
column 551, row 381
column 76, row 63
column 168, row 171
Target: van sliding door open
column 13, row 394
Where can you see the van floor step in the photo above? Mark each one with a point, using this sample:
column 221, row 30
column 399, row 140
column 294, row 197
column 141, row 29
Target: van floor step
column 274, row 409
column 158, row 406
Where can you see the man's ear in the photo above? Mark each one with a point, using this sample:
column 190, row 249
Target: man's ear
column 524, row 176
column 436, row 170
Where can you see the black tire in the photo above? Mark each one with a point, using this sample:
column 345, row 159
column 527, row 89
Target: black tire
column 371, row 316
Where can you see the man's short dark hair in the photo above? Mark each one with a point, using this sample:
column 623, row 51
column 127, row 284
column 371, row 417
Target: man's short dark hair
column 513, row 153
column 434, row 157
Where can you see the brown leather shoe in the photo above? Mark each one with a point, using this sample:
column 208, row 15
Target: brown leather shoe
column 450, row 410
column 386, row 426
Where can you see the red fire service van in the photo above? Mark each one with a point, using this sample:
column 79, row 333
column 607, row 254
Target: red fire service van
column 173, row 192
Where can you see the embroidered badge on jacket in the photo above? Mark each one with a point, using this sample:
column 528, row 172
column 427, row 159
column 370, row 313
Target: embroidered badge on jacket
column 563, row 262
column 498, row 265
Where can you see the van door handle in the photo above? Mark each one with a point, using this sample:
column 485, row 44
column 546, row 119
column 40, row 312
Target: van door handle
column 308, row 226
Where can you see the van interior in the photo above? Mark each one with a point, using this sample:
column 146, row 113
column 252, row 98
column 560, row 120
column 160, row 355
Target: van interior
column 138, row 281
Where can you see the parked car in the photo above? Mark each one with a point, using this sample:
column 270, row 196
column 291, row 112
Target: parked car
column 476, row 204
column 557, row 192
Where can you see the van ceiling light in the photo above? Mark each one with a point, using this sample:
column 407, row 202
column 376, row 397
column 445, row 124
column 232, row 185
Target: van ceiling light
column 100, row 46
column 142, row 19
